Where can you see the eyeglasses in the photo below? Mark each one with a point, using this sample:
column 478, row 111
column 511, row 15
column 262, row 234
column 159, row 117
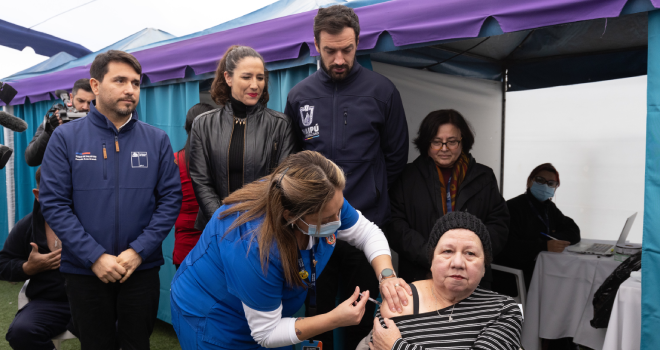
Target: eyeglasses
column 551, row 183
column 451, row 144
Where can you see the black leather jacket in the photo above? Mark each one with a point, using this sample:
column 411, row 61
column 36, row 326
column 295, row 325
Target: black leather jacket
column 269, row 139
column 34, row 152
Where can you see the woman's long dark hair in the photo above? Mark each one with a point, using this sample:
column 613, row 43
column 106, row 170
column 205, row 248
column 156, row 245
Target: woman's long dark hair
column 193, row 112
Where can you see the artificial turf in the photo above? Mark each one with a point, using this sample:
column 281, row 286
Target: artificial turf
column 163, row 336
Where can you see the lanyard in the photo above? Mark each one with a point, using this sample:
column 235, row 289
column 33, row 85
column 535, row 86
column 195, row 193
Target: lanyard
column 312, row 279
column 449, row 195
column 545, row 222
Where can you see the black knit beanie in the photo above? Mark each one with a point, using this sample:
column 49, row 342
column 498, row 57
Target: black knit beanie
column 459, row 219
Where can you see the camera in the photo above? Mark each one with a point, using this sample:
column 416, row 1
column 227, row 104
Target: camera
column 67, row 111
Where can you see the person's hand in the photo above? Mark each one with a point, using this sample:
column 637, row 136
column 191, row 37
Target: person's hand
column 557, row 246
column 350, row 312
column 107, row 269
column 394, row 290
column 53, row 122
column 38, row 262
column 384, row 338
column 130, row 260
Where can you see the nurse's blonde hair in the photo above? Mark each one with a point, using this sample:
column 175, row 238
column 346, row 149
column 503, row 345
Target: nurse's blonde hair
column 302, row 184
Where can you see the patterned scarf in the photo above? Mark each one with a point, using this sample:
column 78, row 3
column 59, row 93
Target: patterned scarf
column 457, row 176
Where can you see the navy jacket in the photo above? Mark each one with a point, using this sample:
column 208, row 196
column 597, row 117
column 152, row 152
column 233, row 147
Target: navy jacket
column 104, row 191
column 359, row 124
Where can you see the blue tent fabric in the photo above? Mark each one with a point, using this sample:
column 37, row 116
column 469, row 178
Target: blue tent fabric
column 651, row 240
column 17, row 37
column 45, row 66
column 130, row 43
column 165, row 107
column 24, row 182
column 281, row 81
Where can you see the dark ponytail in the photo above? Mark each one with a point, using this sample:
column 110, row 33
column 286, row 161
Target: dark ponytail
column 193, row 113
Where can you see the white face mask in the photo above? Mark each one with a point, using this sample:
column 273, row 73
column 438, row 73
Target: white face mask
column 325, row 231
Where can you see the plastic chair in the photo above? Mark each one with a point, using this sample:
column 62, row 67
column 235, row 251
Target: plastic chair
column 520, row 282
column 23, row 300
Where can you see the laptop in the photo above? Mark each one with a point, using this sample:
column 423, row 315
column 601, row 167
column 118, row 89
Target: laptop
column 604, row 248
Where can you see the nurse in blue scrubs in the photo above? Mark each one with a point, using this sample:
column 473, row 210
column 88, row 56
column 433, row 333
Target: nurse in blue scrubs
column 259, row 257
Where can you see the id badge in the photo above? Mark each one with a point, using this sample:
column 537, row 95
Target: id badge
column 312, row 345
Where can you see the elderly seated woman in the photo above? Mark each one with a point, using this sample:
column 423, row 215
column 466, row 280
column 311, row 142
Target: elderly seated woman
column 448, row 310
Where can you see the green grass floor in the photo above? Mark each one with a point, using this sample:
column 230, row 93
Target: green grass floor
column 163, row 336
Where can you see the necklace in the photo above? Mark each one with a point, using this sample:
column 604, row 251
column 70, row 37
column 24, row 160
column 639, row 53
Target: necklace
column 436, row 303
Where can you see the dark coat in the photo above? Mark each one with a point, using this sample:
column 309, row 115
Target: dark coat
column 416, row 200
column 358, row 123
column 268, row 141
column 105, row 190
column 525, row 241
column 48, row 285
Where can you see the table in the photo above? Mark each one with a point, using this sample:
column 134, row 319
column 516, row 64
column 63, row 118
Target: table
column 560, row 296
column 625, row 327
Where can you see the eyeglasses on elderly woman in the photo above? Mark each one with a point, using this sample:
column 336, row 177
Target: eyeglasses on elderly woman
column 451, row 144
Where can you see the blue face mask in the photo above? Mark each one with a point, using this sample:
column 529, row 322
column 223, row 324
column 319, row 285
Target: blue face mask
column 542, row 192
column 325, row 231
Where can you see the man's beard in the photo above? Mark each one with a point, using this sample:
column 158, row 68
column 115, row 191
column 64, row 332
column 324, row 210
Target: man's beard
column 125, row 111
column 333, row 76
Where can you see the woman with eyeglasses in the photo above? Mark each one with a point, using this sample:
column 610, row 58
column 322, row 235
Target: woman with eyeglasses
column 536, row 225
column 444, row 178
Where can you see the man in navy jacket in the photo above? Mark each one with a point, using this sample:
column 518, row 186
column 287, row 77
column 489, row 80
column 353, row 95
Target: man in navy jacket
column 354, row 117
column 111, row 192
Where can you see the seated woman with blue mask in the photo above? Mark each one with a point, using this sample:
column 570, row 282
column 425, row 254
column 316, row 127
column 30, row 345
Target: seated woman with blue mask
column 536, row 225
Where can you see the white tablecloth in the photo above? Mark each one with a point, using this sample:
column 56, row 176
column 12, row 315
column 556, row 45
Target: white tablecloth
column 625, row 327
column 559, row 301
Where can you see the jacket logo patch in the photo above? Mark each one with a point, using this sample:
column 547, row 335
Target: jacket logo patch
column 139, row 160
column 307, row 115
column 85, row 156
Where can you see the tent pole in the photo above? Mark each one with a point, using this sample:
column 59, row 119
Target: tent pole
column 650, row 338
column 505, row 80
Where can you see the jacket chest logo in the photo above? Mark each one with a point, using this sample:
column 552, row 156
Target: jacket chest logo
column 139, row 160
column 306, row 117
column 85, row 156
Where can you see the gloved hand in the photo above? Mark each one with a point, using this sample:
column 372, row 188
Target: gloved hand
column 53, row 122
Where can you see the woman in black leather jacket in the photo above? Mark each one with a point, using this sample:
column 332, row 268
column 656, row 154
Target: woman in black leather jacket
column 243, row 140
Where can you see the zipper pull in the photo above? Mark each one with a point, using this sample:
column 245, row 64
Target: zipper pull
column 276, row 146
column 345, row 118
column 117, row 143
column 105, row 154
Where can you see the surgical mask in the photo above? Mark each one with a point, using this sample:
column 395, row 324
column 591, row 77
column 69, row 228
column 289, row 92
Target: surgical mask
column 542, row 192
column 325, row 231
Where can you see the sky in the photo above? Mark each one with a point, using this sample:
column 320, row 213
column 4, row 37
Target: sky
column 100, row 23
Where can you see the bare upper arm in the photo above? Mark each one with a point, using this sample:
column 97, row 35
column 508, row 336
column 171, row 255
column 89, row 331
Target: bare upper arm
column 407, row 309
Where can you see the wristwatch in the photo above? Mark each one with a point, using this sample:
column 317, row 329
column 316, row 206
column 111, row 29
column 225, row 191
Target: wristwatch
column 385, row 274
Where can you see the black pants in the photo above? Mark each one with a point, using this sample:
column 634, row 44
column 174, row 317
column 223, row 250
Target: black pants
column 114, row 313
column 347, row 268
column 37, row 323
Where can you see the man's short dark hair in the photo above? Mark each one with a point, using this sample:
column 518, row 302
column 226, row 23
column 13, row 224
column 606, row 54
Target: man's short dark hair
column 434, row 120
column 81, row 84
column 99, row 67
column 37, row 176
column 333, row 20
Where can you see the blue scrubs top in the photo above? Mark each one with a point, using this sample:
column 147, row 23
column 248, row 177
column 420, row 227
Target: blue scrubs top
column 218, row 275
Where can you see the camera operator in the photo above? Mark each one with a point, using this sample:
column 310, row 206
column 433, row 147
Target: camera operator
column 81, row 96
